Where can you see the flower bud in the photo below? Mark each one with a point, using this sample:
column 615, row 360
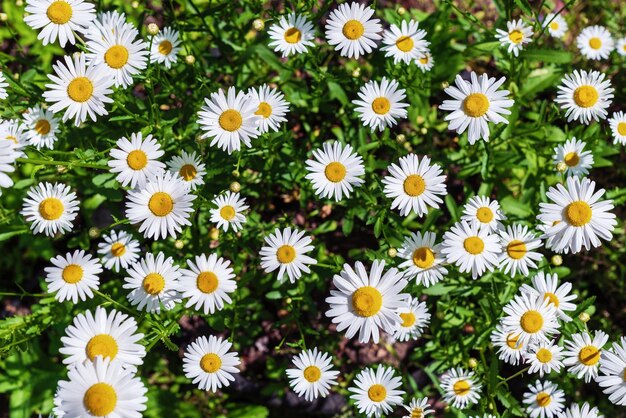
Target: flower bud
column 400, row 139
column 392, row 252
column 153, row 28
column 472, row 363
column 561, row 167
column 214, row 233
column 584, row 316
column 401, row 11
column 190, row 59
column 356, row 72
column 179, row 244
column 94, row 232
column 258, row 24
column 557, row 260
column 235, row 187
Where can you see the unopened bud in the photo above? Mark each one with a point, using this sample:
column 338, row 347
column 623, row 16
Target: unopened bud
column 258, row 24
column 190, row 59
column 561, row 167
column 445, row 85
column 557, row 260
column 401, row 10
column 392, row 252
column 356, row 72
column 134, row 4
column 179, row 244
column 214, row 233
column 400, row 138
column 235, row 187
column 4, row 17
column 584, row 316
column 472, row 363
column 236, row 173
column 153, row 28
column 94, row 232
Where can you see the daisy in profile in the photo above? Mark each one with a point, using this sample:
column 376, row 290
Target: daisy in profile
column 81, row 90
column 425, row 61
column 8, row 155
column 582, row 354
column 424, row 260
column 516, row 36
column 405, row 43
column 136, row 160
column 518, row 244
column 460, row 388
column 367, row 302
column 585, row 96
column 585, row 411
column 313, row 374
column 209, row 363
column 544, row 357
column 510, row 349
column 286, row 251
column 189, row 167
column 119, row 249
column 74, row 276
column 543, row 400
column 14, row 131
column 229, row 211
column 351, row 29
column 207, row 283
column 3, row 87
column 613, row 378
column 556, row 24
column 229, row 120
column 165, row 47
column 476, row 103
column 153, row 282
column 41, row 127
column 595, row 42
column 483, row 212
column 335, row 170
column 59, row 19
column 583, row 218
column 379, row 105
column 620, row 46
column 110, row 335
column 414, row 185
column 162, row 208
column 51, row 208
column 530, row 318
column 271, row 107
column 546, row 286
column 292, row 35
column 101, row 389
column 376, row 392
column 418, row 408
column 415, row 318
column 471, row 248
column 577, row 161
column 618, row 127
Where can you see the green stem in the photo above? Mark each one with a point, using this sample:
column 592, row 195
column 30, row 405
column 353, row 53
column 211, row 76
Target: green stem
column 62, row 163
column 521, row 372
column 114, row 302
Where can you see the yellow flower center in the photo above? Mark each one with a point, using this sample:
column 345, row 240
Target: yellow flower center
column 165, row 47
column 207, row 282
column 353, row 29
column 553, row 299
column 59, row 12
column 101, row 345
column 188, row 172
column 589, row 355
column 137, row 159
column 42, row 127
column 312, row 374
column 116, row 56
column 423, row 257
column 578, row 213
column 286, row 254
column 516, row 36
column 264, row 110
column 554, row 25
column 476, row 105
column 424, row 60
column 512, row 341
column 377, row 393
column 72, row 273
column 414, row 185
column 531, row 322
column 461, row 387
column 161, row 204
column 367, row 301
column 484, row 214
column 80, row 89
column 474, row 245
column 381, row 105
column 586, row 96
column 51, row 208
column 405, row 43
column 543, row 399
column 544, row 355
column 228, row 213
column 293, row 35
column 153, row 284
column 417, row 413
column 100, row 399
column 516, row 249
column 408, row 319
column 571, row 159
column 210, row 363
column 621, row 128
column 595, row 43
column 230, row 120
column 118, row 249
column 335, row 172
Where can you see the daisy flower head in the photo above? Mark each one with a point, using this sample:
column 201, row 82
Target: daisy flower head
column 546, row 287
column 153, row 281
column 376, row 392
column 189, row 167
column 476, row 103
column 577, row 411
column 613, row 372
column 471, row 248
column 483, row 212
column 119, row 249
column 425, row 61
column 79, row 89
column 380, row 104
column 136, row 160
column 544, row 400
column 3, row 87
column 74, row 276
column 271, row 107
column 162, row 207
column 518, row 244
column 313, row 374
column 595, row 42
column 510, row 349
column 585, row 96
column 207, row 283
column 578, row 217
column 577, row 161
column 544, row 357
column 516, row 36
column 228, row 120
column 13, row 131
column 618, row 127
column 405, row 43
column 59, row 19
column 424, row 260
column 530, row 318
column 460, row 388
column 112, row 335
column 286, row 251
column 112, row 20
column 620, row 46
column 415, row 318
column 165, row 47
column 583, row 354
column 101, row 389
column 418, row 408
column 51, row 208
column 351, row 29
column 334, row 170
column 8, row 155
column 229, row 211
column 366, row 302
column 209, row 363
column 556, row 24
column 291, row 35
column 41, row 127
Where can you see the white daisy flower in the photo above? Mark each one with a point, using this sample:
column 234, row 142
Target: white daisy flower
column 81, row 90
column 518, row 243
column 460, row 387
column 415, row 318
column 578, row 217
column 544, row 400
column 74, row 276
column 424, row 259
column 577, row 161
column 483, row 212
column 585, row 96
column 51, row 208
column 334, row 170
column 14, row 131
column 613, row 372
column 189, row 167
column 153, row 282
column 207, row 283
column 367, row 302
column 556, row 24
column 425, row 61
column 516, row 36
column 595, row 42
column 618, row 127
column 544, row 357
column 162, row 207
column 376, row 392
column 101, row 389
column 351, row 29
column 112, row 20
column 530, row 318
column 286, row 251
column 110, row 335
column 209, row 363
column 474, row 104
column 271, row 107
column 59, row 18
column 620, row 46
column 405, row 43
column 313, row 374
column 229, row 120
column 418, row 408
column 8, row 155
column 583, row 353
column 292, row 35
column 136, row 160
column 165, row 47
column 471, row 248
column 510, row 349
column 381, row 104
column 585, row 411
column 3, row 87
column 545, row 288
column 229, row 211
column 119, row 249
column 41, row 127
